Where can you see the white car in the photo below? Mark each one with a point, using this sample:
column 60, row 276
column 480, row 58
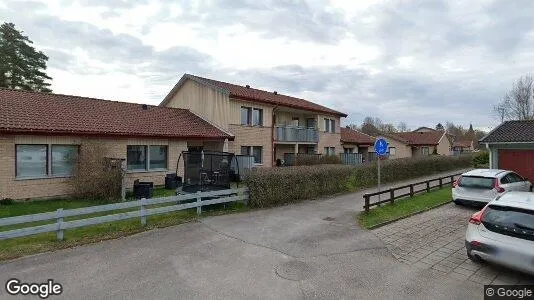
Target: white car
column 503, row 232
column 480, row 186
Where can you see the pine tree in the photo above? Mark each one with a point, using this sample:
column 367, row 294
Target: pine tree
column 21, row 65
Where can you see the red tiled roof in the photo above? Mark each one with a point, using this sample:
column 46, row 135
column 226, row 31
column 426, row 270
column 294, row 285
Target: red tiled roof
column 36, row 112
column 353, row 136
column 463, row 144
column 255, row 95
column 418, row 138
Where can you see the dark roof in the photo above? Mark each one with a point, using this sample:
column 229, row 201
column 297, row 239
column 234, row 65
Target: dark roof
column 37, row 112
column 254, row 95
column 353, row 136
column 418, row 138
column 511, row 132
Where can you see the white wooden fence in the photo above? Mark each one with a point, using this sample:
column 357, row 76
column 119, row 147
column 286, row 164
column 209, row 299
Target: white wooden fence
column 60, row 225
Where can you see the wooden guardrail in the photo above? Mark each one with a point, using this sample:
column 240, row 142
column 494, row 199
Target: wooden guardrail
column 412, row 190
column 223, row 196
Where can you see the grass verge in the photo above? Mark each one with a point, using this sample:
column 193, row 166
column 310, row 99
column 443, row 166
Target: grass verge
column 404, row 207
column 18, row 247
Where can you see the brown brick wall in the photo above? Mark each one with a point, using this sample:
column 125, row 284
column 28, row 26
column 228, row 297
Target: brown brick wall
column 252, row 136
column 10, row 187
column 329, row 140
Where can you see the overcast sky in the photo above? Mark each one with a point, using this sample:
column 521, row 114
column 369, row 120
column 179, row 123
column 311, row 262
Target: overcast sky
column 421, row 62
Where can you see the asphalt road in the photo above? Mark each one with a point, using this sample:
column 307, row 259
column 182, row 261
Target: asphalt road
column 313, row 249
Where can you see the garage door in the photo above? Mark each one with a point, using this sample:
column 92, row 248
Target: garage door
column 520, row 161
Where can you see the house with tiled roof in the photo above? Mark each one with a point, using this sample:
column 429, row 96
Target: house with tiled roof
column 39, row 131
column 266, row 124
column 419, row 143
column 354, row 141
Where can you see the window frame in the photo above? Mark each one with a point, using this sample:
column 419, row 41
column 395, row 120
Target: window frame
column 148, row 168
column 326, row 125
column 48, row 168
column 260, row 117
column 394, row 151
column 427, row 150
column 332, row 126
column 250, row 152
column 249, row 115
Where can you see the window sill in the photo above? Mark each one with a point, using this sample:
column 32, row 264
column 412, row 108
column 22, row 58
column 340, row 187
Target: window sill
column 253, row 126
column 42, row 177
column 146, row 171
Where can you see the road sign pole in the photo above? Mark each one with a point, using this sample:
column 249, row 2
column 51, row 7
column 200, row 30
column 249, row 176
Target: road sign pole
column 378, row 166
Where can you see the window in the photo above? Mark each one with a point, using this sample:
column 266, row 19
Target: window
column 142, row 158
column 31, row 160
column 255, row 151
column 251, row 116
column 477, row 182
column 329, row 150
column 329, row 125
column 63, row 159
column 245, row 115
column 136, row 158
column 424, row 150
column 37, row 161
column 392, row 151
column 158, row 157
column 348, row 150
column 257, row 117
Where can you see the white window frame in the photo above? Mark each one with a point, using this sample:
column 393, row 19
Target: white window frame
column 49, row 174
column 147, row 163
column 250, row 116
column 394, row 151
column 250, row 152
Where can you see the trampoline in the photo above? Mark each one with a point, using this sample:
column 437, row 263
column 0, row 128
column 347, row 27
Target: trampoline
column 207, row 171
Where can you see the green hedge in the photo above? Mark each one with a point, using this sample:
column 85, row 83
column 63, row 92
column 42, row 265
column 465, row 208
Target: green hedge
column 481, row 159
column 275, row 186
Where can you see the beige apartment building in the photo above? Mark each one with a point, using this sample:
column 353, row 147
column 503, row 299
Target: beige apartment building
column 266, row 124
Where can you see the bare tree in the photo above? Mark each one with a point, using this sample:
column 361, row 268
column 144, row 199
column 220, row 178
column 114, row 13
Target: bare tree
column 518, row 103
column 402, row 127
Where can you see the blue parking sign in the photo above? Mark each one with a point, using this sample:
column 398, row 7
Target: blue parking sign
column 381, row 147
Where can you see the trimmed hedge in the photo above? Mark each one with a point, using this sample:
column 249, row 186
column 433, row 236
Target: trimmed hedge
column 275, row 186
column 481, row 159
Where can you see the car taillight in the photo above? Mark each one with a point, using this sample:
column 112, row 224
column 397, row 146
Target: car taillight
column 456, row 183
column 497, row 187
column 477, row 217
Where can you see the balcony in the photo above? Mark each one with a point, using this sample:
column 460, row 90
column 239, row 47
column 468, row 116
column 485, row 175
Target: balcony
column 296, row 134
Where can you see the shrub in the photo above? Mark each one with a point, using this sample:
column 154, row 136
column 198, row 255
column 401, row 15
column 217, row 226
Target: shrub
column 275, row 186
column 481, row 159
column 95, row 176
column 7, row 201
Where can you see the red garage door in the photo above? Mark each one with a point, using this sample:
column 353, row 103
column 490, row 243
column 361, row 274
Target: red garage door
column 520, row 161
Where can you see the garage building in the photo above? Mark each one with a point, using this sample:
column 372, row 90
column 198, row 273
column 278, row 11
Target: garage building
column 511, row 147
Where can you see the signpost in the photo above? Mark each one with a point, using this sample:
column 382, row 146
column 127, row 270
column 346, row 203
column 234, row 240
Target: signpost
column 381, row 148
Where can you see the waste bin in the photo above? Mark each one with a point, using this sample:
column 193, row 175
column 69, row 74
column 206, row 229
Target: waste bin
column 143, row 189
column 172, row 181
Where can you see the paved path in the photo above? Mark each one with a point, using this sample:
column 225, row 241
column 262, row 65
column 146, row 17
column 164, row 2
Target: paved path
column 435, row 240
column 313, row 249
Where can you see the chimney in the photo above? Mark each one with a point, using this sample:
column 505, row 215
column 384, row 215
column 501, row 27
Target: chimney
column 275, row 92
column 144, row 107
column 247, row 86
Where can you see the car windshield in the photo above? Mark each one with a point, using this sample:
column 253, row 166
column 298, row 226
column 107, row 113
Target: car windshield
column 510, row 221
column 476, row 182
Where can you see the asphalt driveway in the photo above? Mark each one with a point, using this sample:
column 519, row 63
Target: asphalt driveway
column 313, row 249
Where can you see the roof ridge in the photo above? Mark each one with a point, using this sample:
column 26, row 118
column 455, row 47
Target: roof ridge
column 84, row 97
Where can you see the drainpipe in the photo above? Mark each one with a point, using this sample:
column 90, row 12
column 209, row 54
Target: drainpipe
column 272, row 138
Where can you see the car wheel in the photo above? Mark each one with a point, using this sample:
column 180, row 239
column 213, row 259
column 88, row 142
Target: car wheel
column 531, row 188
column 457, row 202
column 473, row 258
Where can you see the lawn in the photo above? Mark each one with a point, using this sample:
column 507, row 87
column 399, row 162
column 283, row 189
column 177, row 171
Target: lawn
column 404, row 207
column 17, row 247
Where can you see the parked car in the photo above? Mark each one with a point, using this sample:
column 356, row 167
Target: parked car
column 480, row 186
column 503, row 232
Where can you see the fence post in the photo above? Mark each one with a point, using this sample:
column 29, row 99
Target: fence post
column 428, row 186
column 392, row 195
column 143, row 211
column 452, row 179
column 366, row 205
column 199, row 203
column 411, row 190
column 440, row 182
column 59, row 216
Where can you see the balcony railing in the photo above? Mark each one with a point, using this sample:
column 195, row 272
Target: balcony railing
column 289, row 133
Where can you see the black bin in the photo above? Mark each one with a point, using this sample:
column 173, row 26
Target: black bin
column 143, row 189
column 172, row 181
